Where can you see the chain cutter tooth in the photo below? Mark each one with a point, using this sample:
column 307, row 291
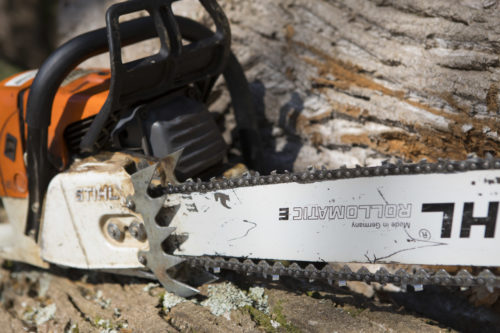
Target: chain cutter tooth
column 402, row 277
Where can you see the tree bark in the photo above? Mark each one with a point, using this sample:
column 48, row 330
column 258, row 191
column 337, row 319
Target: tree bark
column 356, row 82
column 359, row 80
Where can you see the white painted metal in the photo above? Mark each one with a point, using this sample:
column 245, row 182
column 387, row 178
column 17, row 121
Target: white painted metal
column 377, row 223
column 79, row 205
column 21, row 79
column 14, row 244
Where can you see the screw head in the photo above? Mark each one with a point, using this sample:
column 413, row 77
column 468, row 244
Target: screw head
column 131, row 204
column 138, row 231
column 35, row 206
column 142, row 259
column 114, row 232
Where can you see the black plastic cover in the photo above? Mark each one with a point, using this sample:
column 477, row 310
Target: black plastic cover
column 168, row 125
column 195, row 131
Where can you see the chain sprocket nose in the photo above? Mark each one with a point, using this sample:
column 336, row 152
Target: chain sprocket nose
column 156, row 259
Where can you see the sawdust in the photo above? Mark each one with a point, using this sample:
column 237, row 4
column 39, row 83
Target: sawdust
column 418, row 142
column 307, row 125
column 349, row 110
column 428, row 144
column 453, row 103
column 492, row 99
column 289, row 32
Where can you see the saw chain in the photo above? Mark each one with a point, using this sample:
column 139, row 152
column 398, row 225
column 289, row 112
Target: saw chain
column 402, row 275
column 313, row 174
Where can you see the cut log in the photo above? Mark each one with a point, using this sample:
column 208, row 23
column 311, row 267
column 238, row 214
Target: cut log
column 356, row 82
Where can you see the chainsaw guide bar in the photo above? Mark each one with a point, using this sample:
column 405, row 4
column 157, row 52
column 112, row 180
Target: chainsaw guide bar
column 250, row 224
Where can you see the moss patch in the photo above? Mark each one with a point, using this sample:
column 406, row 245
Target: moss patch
column 281, row 319
column 262, row 320
column 353, row 311
column 314, row 294
column 271, row 323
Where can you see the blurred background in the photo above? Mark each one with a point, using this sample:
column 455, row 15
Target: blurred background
column 27, row 33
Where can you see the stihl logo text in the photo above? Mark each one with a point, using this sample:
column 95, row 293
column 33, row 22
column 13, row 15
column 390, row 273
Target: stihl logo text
column 468, row 219
column 348, row 212
column 96, row 193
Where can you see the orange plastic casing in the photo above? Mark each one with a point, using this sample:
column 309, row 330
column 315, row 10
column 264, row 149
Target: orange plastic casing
column 81, row 95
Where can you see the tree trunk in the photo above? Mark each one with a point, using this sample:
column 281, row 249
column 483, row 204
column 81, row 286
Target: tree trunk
column 356, row 82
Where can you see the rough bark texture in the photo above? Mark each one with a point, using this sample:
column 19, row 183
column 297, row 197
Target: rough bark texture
column 335, row 82
column 415, row 79
column 356, row 82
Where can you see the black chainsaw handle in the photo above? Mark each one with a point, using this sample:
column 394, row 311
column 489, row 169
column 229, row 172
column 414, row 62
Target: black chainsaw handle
column 60, row 63
column 174, row 66
column 69, row 55
column 41, row 97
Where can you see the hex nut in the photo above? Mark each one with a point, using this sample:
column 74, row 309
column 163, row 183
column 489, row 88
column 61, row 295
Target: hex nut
column 115, row 232
column 142, row 259
column 138, row 231
column 131, row 205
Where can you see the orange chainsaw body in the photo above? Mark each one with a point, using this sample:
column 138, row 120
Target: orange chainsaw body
column 81, row 96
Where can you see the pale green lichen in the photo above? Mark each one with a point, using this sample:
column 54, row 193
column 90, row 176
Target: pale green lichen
column 72, row 328
column 103, row 302
column 260, row 301
column 107, row 326
column 169, row 300
column 39, row 315
column 147, row 288
column 225, row 297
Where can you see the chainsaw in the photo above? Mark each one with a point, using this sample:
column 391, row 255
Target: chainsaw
column 120, row 170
